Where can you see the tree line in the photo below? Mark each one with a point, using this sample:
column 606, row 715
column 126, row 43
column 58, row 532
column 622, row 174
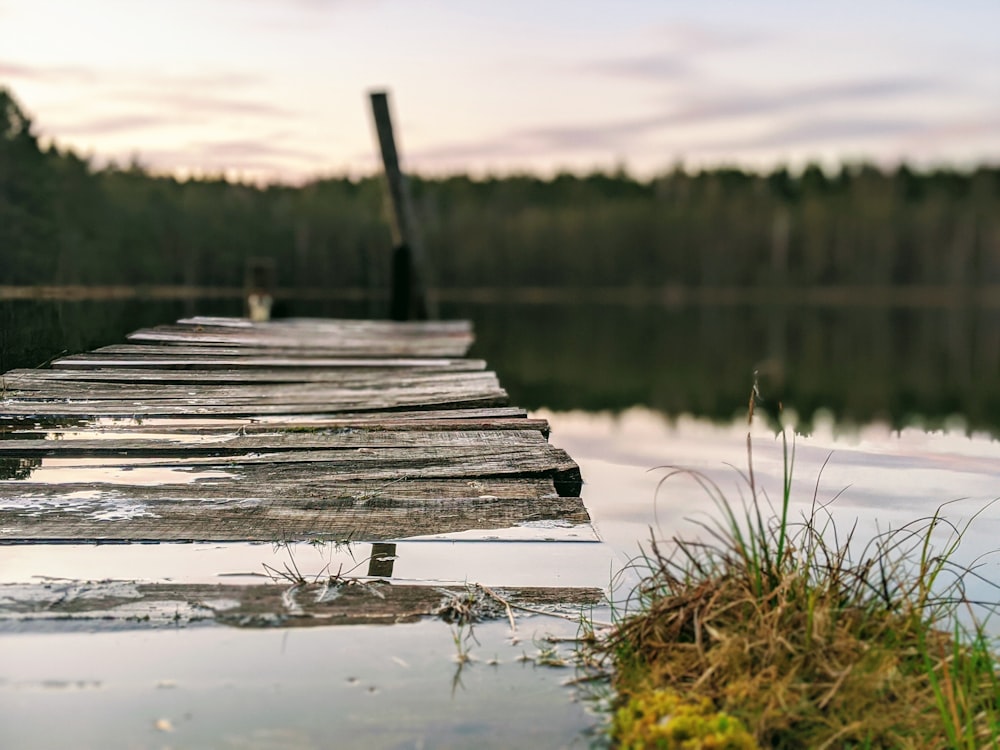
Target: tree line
column 64, row 221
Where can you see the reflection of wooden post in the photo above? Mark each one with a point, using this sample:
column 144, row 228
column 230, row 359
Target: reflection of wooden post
column 380, row 563
column 258, row 287
column 409, row 265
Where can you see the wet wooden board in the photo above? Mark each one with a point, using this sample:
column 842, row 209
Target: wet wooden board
column 222, row 430
column 257, row 506
column 371, row 338
column 429, row 419
column 389, row 371
column 129, row 444
column 198, row 362
column 431, row 386
column 356, row 388
column 344, row 400
column 275, row 349
column 193, row 430
column 262, row 482
column 379, row 462
column 312, row 327
column 113, row 604
column 369, row 464
column 205, row 519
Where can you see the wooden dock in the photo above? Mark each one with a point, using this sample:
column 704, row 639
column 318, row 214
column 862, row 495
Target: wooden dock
column 302, row 430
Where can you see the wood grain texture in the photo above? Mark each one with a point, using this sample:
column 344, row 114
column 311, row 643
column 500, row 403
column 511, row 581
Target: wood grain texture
column 366, row 338
column 112, row 604
column 128, row 444
column 218, row 429
column 383, row 371
column 285, row 519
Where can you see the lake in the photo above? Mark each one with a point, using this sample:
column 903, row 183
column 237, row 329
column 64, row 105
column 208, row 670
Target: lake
column 896, row 411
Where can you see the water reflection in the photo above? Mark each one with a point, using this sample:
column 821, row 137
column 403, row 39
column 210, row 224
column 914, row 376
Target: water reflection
column 862, row 363
column 549, row 564
column 381, row 560
column 18, row 468
column 875, row 478
column 359, row 687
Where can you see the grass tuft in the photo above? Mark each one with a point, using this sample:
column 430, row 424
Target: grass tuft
column 781, row 627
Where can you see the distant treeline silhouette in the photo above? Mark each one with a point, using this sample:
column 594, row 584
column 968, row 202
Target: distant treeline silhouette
column 63, row 221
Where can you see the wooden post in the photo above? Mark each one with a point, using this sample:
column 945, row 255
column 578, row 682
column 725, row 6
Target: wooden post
column 381, row 560
column 410, row 273
column 258, row 283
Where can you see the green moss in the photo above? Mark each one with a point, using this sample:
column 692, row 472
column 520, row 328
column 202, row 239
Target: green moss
column 662, row 719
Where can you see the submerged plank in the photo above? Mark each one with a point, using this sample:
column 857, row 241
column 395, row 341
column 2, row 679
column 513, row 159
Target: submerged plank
column 114, row 604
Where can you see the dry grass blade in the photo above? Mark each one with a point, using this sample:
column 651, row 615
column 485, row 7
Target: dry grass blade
column 805, row 641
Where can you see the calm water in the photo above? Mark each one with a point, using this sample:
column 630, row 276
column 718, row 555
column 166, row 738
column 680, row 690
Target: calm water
column 901, row 405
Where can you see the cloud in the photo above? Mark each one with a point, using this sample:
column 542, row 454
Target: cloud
column 647, row 67
column 815, row 132
column 613, row 135
column 208, row 105
column 702, row 37
column 254, row 149
column 259, row 159
column 225, row 80
column 148, row 109
column 685, row 41
column 78, row 74
column 60, row 74
column 110, row 125
column 174, row 115
column 824, row 129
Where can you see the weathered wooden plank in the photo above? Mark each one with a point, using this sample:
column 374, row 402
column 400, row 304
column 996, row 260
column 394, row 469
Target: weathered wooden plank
column 468, row 460
column 304, row 329
column 375, row 327
column 436, row 348
column 376, row 337
column 250, row 518
column 292, row 392
column 422, row 419
column 368, row 464
column 345, row 401
column 260, row 436
column 180, row 430
column 386, row 371
column 234, row 443
column 195, row 363
column 361, row 465
column 259, row 482
column 110, row 604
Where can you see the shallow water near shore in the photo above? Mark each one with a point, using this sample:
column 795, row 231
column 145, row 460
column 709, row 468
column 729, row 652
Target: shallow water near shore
column 362, row 686
column 392, row 686
column 192, row 684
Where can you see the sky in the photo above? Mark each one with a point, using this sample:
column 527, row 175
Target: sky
column 277, row 90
